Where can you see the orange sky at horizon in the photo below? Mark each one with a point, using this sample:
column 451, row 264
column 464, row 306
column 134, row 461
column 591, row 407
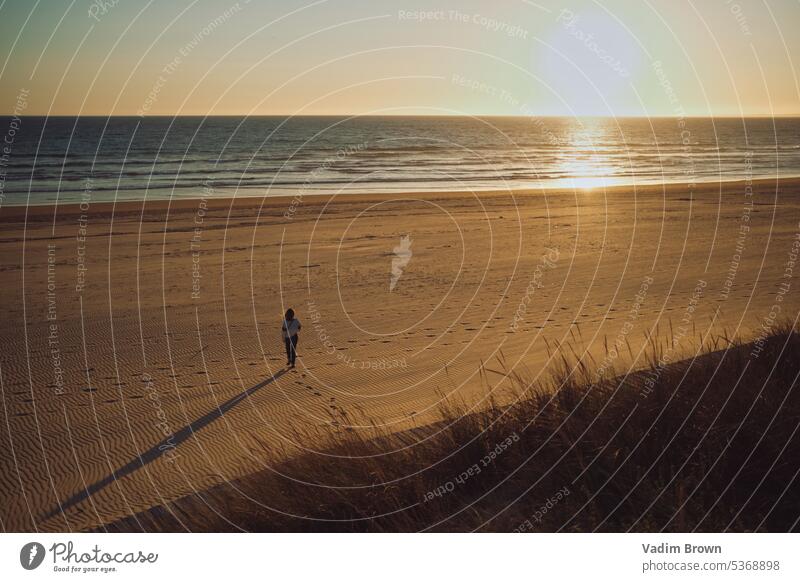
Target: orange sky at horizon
column 587, row 58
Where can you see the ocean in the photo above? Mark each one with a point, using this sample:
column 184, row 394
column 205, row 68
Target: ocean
column 67, row 159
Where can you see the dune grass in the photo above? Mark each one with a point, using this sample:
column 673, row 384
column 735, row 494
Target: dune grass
column 708, row 443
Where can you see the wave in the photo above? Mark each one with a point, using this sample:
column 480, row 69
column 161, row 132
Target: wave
column 136, row 157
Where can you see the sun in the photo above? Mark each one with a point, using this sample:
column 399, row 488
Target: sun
column 590, row 65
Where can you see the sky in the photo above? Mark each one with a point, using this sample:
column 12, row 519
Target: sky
column 381, row 57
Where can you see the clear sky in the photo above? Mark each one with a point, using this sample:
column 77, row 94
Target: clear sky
column 501, row 57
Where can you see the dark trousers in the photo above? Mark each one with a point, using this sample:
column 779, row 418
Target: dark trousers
column 291, row 349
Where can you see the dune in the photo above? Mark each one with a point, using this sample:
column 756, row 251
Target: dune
column 143, row 360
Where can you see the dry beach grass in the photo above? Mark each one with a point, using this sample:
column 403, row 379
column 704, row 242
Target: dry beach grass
column 708, row 446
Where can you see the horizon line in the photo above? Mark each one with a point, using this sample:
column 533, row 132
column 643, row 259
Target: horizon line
column 432, row 115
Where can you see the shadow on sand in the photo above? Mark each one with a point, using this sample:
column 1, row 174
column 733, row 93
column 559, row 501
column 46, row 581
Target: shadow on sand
column 168, row 444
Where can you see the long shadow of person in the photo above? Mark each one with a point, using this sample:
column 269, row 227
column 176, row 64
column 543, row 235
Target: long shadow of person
column 163, row 448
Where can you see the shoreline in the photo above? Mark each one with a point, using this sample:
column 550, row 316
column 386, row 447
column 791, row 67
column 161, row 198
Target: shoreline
column 11, row 211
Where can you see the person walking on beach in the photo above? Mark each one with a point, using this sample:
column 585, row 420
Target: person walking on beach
column 291, row 325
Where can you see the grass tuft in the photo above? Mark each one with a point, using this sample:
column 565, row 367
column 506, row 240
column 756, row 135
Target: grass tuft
column 704, row 444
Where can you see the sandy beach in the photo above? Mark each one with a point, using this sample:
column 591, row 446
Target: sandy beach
column 143, row 359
